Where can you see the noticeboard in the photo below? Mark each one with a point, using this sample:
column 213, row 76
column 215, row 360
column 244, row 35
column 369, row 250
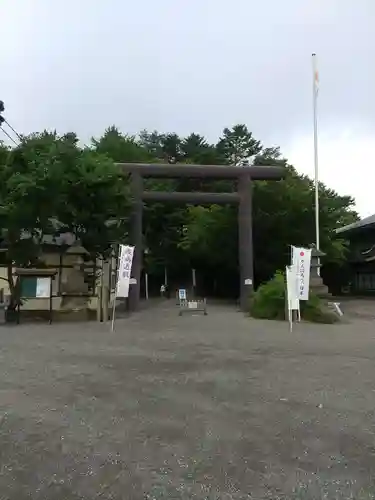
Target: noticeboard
column 33, row 287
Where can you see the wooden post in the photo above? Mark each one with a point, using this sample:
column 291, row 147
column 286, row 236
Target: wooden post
column 146, row 285
column 245, row 243
column 50, row 300
column 105, row 302
column 136, row 240
column 99, row 304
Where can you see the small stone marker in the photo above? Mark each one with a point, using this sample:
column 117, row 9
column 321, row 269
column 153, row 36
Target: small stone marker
column 336, row 307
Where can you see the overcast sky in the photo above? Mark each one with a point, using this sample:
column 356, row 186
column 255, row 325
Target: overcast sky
column 200, row 65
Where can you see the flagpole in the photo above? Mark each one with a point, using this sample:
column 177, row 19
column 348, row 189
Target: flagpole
column 316, row 163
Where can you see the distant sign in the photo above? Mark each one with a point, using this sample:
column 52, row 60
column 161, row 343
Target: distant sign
column 301, row 258
column 193, row 304
column 182, row 294
column 43, row 287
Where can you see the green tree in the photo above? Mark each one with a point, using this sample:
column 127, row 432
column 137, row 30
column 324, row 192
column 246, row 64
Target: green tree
column 208, row 229
column 49, row 186
column 4, row 152
column 121, row 148
column 283, row 212
column 152, row 142
column 163, row 147
column 172, row 150
column 237, row 145
column 283, row 215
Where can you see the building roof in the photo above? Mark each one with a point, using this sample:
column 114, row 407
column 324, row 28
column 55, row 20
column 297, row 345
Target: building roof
column 361, row 224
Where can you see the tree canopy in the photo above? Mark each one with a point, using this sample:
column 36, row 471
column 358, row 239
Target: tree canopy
column 48, row 186
column 206, row 236
column 51, row 184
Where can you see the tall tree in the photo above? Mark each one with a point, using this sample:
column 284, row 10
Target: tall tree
column 283, row 215
column 193, row 146
column 237, row 145
column 152, row 142
column 172, row 150
column 121, row 148
column 181, row 236
column 48, row 186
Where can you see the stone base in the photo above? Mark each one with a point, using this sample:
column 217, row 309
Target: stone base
column 318, row 287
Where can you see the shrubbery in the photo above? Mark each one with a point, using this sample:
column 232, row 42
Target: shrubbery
column 268, row 302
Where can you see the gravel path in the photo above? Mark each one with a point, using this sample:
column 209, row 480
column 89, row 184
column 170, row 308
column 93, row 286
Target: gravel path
column 216, row 407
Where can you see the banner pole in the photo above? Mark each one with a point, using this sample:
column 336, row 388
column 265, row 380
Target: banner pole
column 114, row 302
column 115, row 294
column 113, row 313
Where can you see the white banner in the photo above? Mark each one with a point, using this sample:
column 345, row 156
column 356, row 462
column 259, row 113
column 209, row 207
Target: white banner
column 301, row 258
column 292, row 288
column 124, row 270
column 291, row 294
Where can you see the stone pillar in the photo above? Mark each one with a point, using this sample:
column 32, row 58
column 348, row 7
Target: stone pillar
column 316, row 283
column 245, row 240
column 136, row 239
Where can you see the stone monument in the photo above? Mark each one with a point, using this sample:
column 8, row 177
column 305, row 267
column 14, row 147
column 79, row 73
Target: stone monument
column 316, row 282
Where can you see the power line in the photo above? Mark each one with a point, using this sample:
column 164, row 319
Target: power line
column 3, row 120
column 9, row 136
column 14, row 131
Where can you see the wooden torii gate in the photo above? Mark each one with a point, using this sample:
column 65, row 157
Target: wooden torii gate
column 243, row 197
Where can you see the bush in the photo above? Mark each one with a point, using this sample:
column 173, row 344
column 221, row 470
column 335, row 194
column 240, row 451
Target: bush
column 268, row 302
column 314, row 310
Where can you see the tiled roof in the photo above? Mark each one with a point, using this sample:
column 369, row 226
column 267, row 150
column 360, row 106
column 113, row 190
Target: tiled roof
column 367, row 221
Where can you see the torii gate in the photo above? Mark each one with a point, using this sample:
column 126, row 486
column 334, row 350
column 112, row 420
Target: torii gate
column 244, row 176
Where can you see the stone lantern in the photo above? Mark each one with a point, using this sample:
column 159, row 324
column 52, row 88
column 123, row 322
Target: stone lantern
column 316, row 282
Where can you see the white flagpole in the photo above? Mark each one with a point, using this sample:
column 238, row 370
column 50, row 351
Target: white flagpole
column 316, row 164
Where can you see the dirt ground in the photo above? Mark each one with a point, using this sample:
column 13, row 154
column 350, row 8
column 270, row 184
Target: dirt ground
column 192, row 407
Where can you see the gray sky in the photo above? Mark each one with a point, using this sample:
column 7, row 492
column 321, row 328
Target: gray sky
column 200, row 65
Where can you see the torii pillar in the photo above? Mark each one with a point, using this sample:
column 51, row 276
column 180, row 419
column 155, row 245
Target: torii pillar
column 245, row 240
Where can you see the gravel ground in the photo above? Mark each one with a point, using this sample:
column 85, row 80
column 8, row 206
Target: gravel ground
column 192, row 407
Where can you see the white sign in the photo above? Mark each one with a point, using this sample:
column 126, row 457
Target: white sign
column 124, row 270
column 43, row 287
column 182, row 294
column 292, row 294
column 292, row 288
column 301, row 258
column 193, row 305
column 248, row 281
